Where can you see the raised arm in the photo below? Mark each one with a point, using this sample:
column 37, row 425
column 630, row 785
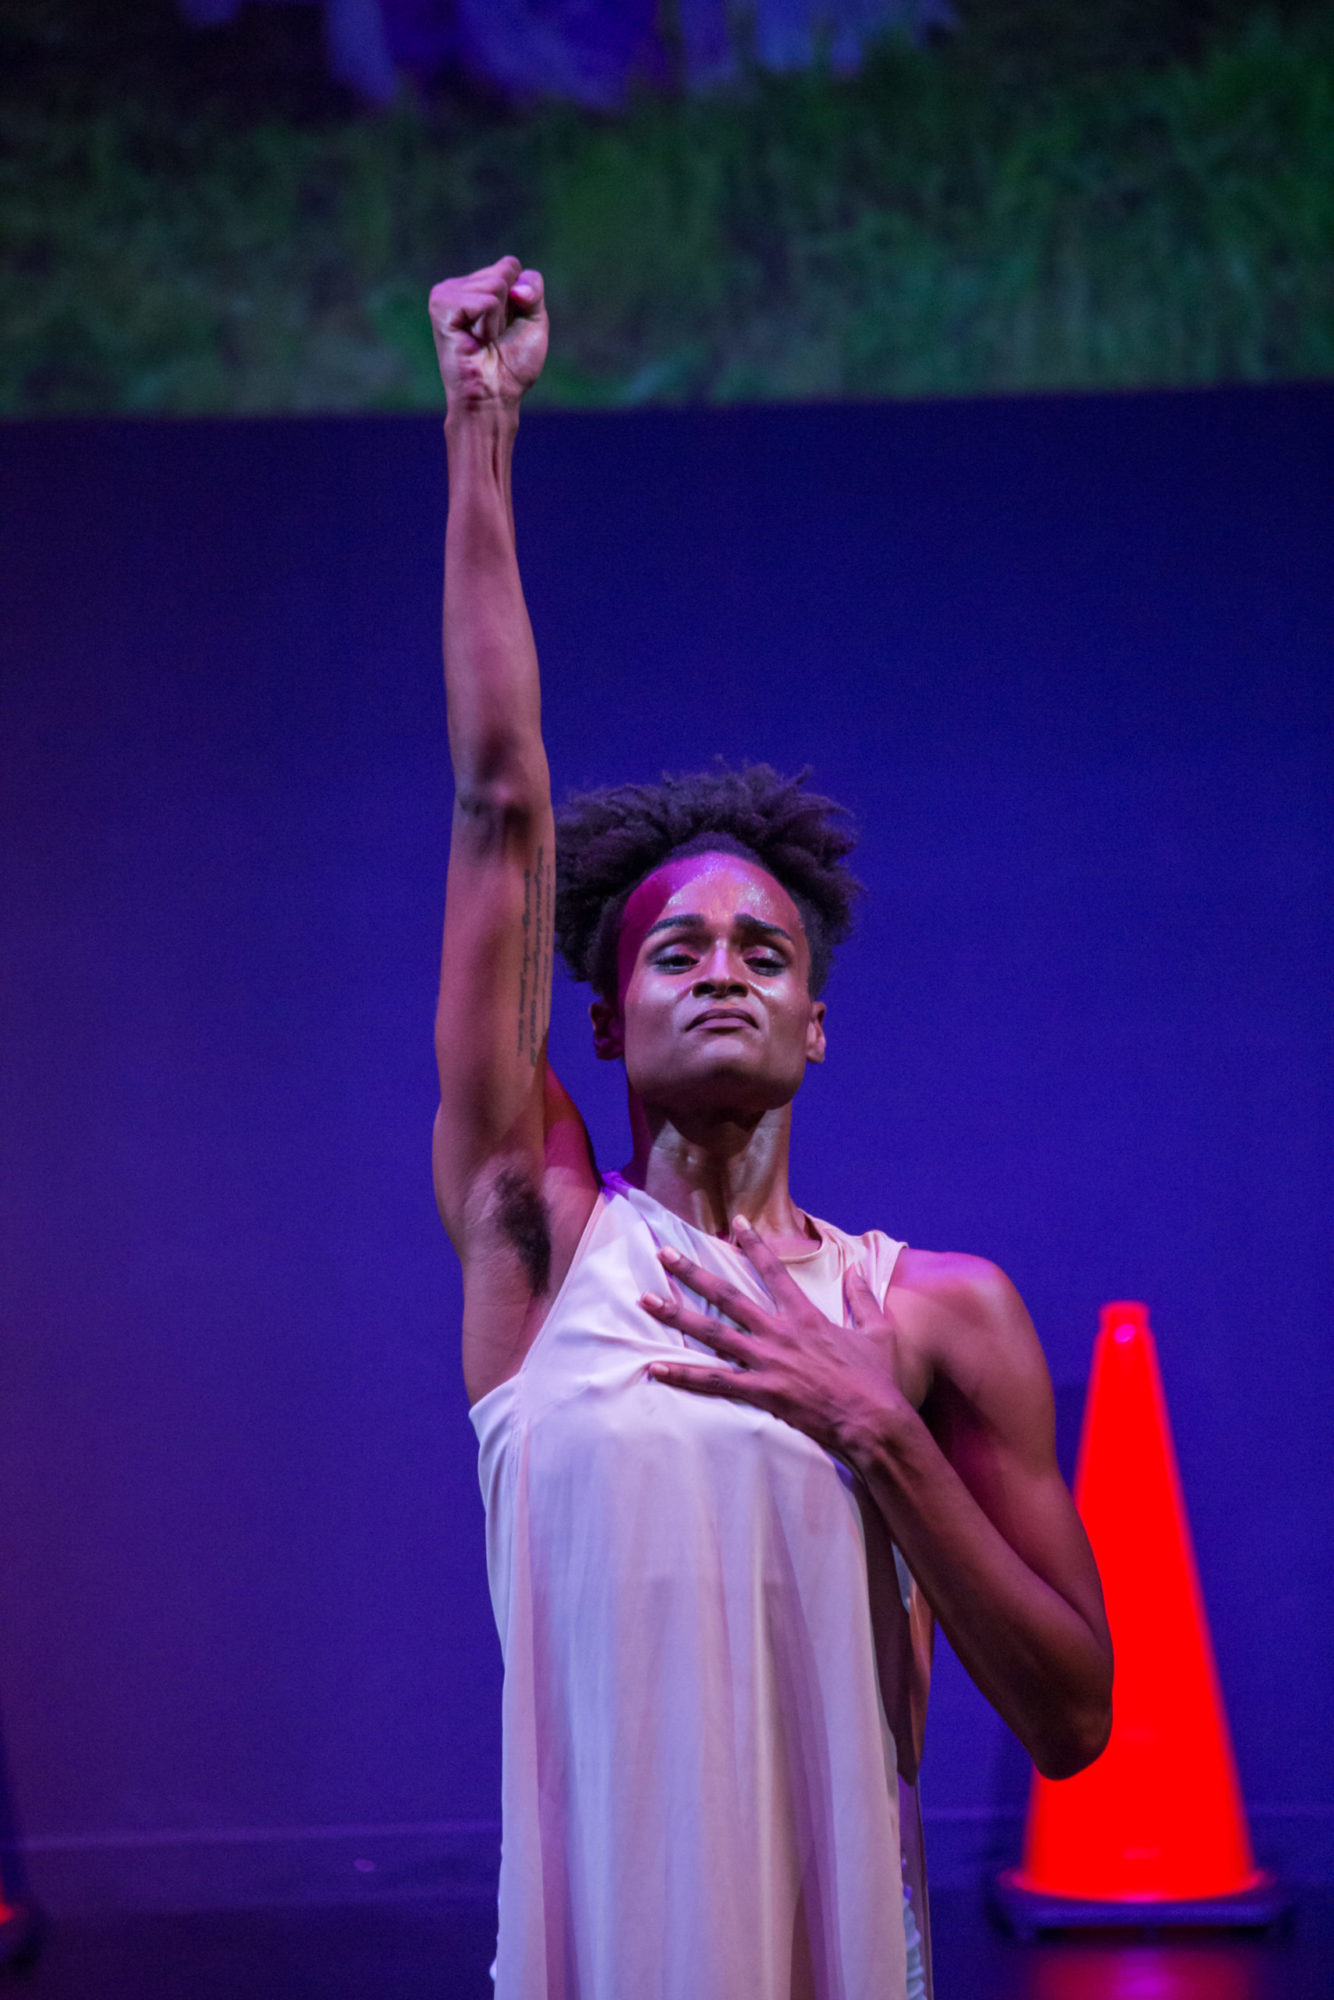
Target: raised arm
column 511, row 1171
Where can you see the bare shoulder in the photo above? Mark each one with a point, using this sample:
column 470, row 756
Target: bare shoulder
column 974, row 1334
column 959, row 1291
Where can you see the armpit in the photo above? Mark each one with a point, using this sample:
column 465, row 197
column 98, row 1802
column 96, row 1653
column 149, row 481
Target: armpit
column 522, row 1217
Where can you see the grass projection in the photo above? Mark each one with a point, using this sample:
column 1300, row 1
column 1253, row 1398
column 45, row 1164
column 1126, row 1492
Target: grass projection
column 1054, row 197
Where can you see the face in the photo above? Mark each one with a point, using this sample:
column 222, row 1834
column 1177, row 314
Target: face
column 714, row 1012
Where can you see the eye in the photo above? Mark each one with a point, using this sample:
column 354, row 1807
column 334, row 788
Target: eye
column 770, row 963
column 675, row 960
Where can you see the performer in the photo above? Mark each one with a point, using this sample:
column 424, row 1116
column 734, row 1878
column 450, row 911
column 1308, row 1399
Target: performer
column 733, row 1458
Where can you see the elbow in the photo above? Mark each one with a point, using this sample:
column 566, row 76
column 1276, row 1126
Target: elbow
column 1069, row 1743
column 499, row 771
column 501, row 786
column 493, row 806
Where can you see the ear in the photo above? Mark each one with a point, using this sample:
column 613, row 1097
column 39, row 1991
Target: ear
column 608, row 1030
column 815, row 1039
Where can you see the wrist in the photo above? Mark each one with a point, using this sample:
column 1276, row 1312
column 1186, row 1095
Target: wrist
column 881, row 1437
column 486, row 416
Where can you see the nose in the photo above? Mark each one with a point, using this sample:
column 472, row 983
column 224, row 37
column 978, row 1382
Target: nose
column 716, row 975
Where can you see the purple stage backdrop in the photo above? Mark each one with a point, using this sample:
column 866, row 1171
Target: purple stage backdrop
column 1070, row 663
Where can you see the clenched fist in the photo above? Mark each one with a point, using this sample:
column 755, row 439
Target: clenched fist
column 490, row 334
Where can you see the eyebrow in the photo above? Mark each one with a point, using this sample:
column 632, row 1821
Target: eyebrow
column 693, row 920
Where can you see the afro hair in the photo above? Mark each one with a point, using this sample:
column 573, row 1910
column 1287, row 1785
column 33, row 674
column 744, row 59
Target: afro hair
column 608, row 841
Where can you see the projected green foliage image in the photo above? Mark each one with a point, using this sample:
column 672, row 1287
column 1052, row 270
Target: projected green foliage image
column 1044, row 197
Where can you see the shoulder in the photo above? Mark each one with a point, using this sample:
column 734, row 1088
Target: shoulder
column 952, row 1281
column 971, row 1321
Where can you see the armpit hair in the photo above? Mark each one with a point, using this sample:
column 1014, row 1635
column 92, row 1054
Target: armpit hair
column 522, row 1215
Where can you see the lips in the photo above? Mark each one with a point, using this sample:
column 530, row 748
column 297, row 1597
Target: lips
column 719, row 1017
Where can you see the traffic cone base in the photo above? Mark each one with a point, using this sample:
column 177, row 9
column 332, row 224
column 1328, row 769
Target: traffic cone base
column 1028, row 1912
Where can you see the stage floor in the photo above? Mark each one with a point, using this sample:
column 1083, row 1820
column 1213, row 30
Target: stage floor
column 431, row 1951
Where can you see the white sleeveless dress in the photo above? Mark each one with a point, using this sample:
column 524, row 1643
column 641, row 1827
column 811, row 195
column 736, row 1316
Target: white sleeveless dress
column 700, row 1796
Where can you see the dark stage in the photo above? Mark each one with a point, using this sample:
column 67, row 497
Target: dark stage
column 430, row 1951
column 1068, row 660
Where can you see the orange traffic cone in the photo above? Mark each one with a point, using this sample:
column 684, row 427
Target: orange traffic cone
column 1154, row 1832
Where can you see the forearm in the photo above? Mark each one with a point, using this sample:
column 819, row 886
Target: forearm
column 491, row 674
column 1036, row 1657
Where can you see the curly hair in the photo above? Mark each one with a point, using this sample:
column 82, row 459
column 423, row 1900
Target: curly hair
column 609, row 840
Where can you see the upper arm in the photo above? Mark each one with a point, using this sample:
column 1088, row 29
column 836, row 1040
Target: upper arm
column 495, row 986
column 992, row 1411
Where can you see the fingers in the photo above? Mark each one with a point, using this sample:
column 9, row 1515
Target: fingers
column 696, row 1325
column 479, row 303
column 863, row 1305
column 491, row 322
column 703, row 1380
column 491, row 282
column 462, row 310
column 778, row 1280
column 528, row 292
column 720, row 1292
column 468, row 313
column 734, row 1385
column 497, row 277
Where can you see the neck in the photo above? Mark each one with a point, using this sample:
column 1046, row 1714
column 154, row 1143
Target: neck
column 714, row 1169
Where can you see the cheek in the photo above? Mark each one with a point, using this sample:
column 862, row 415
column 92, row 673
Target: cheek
column 645, row 1013
column 797, row 1025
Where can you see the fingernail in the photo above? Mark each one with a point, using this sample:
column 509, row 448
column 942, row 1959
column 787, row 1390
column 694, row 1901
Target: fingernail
column 741, row 1226
column 669, row 1256
column 652, row 1301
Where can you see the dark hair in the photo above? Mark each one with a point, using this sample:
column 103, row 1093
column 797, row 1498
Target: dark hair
column 608, row 841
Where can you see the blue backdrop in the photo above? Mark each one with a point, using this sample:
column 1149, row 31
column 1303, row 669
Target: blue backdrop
column 1068, row 660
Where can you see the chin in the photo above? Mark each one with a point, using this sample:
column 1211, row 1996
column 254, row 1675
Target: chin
column 723, row 1085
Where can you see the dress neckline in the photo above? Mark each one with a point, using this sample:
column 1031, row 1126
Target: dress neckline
column 617, row 1184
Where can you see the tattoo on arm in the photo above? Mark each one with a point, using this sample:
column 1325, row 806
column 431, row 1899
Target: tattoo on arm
column 535, row 973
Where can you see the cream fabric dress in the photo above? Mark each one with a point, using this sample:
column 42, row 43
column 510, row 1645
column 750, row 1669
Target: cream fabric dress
column 699, row 1627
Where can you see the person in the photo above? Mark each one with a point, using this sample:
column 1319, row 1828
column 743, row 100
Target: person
column 735, row 1460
